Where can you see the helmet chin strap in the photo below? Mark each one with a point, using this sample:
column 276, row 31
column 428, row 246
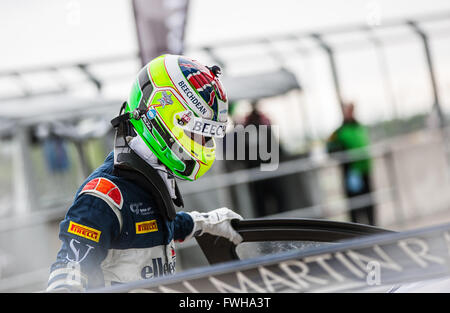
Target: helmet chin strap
column 140, row 148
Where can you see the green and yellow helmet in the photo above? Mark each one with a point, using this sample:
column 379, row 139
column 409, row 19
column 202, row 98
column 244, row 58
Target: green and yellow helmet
column 177, row 106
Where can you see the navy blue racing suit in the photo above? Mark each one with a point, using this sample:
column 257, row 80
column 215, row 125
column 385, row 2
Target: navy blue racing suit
column 114, row 233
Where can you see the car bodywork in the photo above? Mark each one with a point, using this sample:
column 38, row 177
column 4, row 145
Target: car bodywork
column 327, row 256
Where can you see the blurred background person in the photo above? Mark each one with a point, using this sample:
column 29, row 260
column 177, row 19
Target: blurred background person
column 267, row 194
column 353, row 137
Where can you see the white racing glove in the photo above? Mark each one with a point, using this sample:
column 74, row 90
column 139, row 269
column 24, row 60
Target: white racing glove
column 216, row 222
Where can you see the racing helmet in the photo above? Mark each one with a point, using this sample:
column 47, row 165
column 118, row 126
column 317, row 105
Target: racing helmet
column 178, row 106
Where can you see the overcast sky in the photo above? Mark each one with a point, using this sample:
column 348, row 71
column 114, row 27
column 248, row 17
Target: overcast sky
column 48, row 31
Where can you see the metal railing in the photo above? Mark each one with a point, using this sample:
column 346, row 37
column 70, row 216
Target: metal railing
column 226, row 180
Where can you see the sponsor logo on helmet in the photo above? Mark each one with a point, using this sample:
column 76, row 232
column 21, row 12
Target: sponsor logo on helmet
column 208, row 129
column 191, row 96
column 84, row 231
column 185, row 118
column 147, row 122
column 166, row 99
column 151, row 114
column 200, row 126
column 146, row 227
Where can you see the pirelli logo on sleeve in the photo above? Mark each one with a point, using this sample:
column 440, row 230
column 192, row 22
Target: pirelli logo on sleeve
column 146, row 227
column 84, row 231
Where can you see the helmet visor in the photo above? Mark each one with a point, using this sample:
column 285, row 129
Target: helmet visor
column 205, row 141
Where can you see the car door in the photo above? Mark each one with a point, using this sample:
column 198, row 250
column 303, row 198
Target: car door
column 270, row 236
column 369, row 259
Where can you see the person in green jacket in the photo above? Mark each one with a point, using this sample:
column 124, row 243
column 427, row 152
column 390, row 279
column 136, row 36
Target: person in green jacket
column 353, row 137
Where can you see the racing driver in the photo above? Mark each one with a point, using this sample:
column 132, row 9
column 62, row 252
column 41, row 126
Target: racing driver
column 122, row 225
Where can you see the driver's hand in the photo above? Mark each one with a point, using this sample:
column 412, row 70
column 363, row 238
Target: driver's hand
column 216, row 222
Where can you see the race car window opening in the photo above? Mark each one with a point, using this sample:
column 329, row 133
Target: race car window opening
column 253, row 249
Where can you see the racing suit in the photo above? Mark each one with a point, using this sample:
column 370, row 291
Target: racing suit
column 114, row 233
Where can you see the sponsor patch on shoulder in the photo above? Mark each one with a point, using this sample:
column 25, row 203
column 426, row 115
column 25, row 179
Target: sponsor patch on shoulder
column 84, row 231
column 105, row 189
column 146, row 227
